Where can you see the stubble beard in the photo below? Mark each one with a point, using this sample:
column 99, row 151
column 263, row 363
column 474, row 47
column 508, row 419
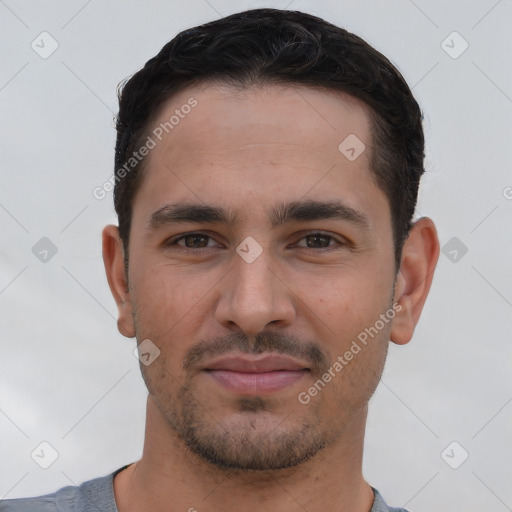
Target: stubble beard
column 248, row 440
column 244, row 443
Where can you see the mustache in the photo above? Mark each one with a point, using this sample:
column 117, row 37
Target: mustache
column 268, row 341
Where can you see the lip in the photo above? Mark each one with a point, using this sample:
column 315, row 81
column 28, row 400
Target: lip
column 261, row 363
column 256, row 375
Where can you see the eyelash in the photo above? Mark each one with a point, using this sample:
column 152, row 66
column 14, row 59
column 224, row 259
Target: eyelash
column 173, row 242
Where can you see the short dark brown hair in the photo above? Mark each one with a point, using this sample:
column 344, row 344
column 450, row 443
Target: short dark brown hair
column 280, row 47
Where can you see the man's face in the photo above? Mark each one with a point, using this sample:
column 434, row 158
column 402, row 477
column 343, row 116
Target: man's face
column 219, row 315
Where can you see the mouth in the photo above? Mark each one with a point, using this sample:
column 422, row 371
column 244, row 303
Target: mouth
column 255, row 375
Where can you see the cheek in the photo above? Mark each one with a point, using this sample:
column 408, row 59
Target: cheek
column 357, row 343
column 171, row 306
column 345, row 302
column 161, row 301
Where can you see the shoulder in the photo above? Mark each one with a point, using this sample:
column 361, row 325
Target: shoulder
column 61, row 500
column 91, row 496
column 379, row 505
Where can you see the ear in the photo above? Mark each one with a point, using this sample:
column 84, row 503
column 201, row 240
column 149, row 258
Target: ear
column 113, row 258
column 419, row 258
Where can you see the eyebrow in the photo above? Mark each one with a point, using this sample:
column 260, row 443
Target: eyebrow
column 282, row 213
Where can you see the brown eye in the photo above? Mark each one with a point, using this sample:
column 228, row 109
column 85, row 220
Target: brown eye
column 194, row 241
column 319, row 241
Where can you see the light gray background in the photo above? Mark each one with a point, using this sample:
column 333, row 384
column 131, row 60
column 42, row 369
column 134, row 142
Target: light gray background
column 70, row 379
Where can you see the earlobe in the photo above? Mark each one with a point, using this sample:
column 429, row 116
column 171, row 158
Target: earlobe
column 113, row 259
column 419, row 258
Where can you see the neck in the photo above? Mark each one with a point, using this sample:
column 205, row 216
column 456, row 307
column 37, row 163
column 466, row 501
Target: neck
column 170, row 477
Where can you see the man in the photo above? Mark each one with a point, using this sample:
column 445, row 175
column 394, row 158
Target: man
column 267, row 170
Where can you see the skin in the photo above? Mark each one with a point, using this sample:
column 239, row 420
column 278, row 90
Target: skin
column 246, row 151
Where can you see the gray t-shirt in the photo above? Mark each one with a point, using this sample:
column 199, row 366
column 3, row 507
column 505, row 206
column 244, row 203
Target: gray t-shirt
column 97, row 495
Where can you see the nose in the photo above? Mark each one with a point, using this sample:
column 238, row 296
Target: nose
column 255, row 295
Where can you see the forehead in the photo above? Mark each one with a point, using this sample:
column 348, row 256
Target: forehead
column 224, row 117
column 215, row 143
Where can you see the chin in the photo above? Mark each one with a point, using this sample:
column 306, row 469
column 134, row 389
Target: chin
column 250, row 438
